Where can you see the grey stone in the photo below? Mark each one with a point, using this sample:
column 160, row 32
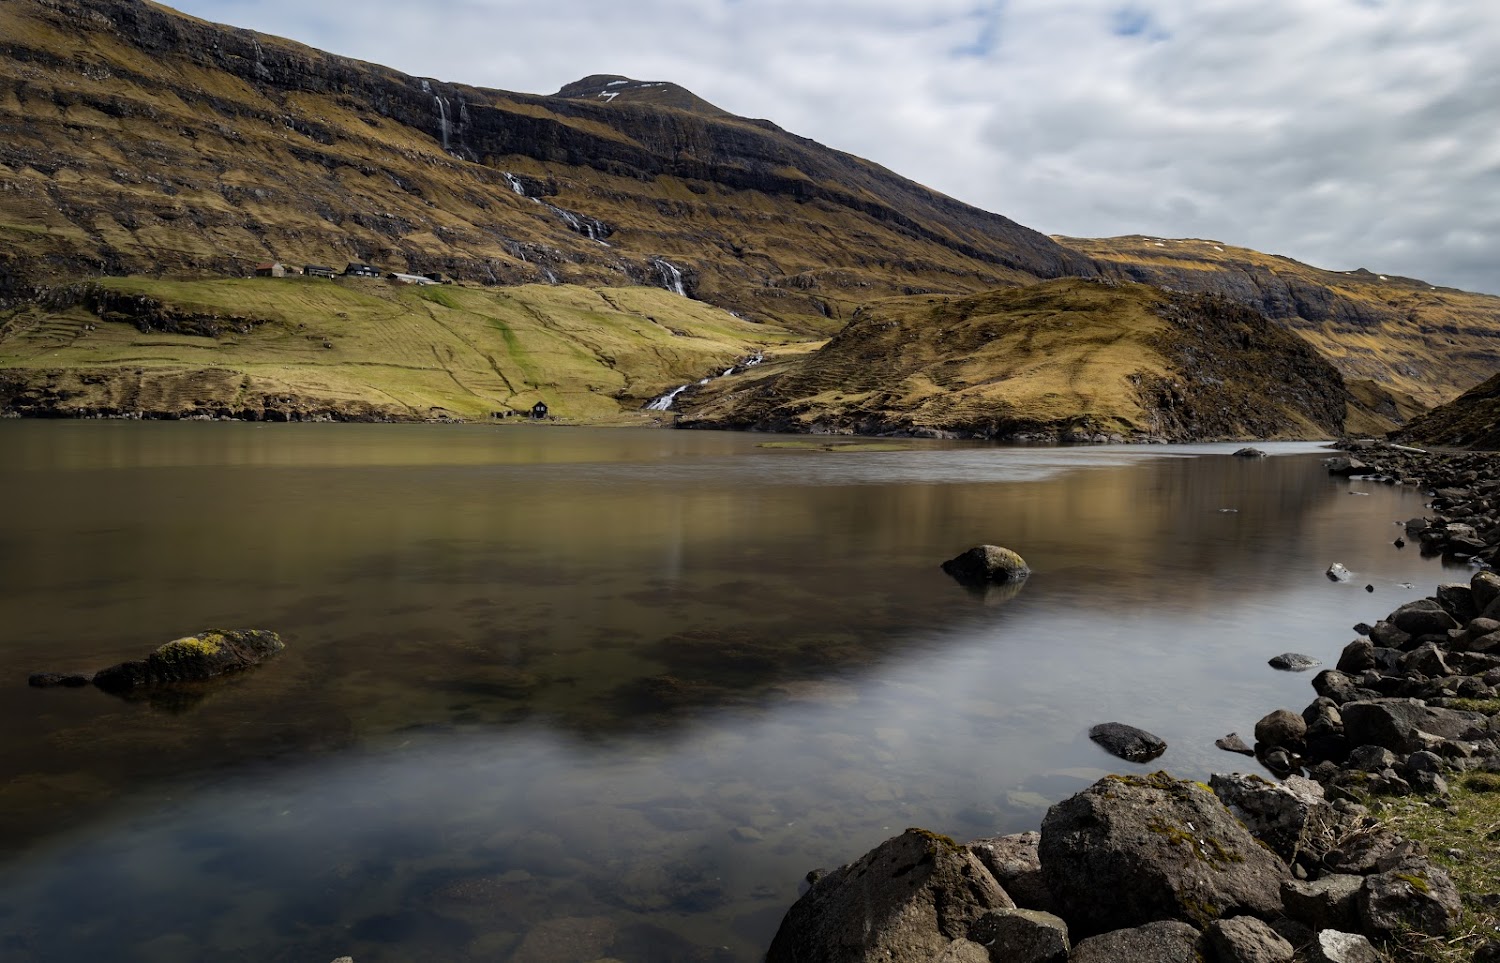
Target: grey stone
column 1246, row 939
column 1283, row 728
column 1357, row 656
column 1233, row 743
column 1412, row 894
column 1458, row 601
column 1486, row 589
column 1153, row 847
column 192, row 659
column 1325, row 903
column 1022, row 936
column 1334, row 946
column 1291, row 818
column 987, row 563
column 1161, row 942
column 1423, row 617
column 963, row 951
column 1362, row 852
column 905, row 900
column 1335, row 685
column 1293, row 662
column 1407, row 725
column 1346, row 467
column 1371, row 758
column 1388, row 636
column 1427, row 660
column 1338, row 573
column 1425, row 761
column 1249, row 453
column 1127, row 742
column 1014, row 863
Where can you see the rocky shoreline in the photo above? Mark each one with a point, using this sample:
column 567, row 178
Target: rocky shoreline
column 1242, row 869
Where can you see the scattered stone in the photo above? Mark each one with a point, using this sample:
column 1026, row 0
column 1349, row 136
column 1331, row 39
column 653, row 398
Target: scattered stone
column 1369, row 588
column 1423, row 617
column 1291, row 817
column 1407, row 725
column 196, row 658
column 1246, row 939
column 1127, row 742
column 1293, row 662
column 1357, row 656
column 1132, row 848
column 907, row 899
column 1014, row 863
column 1163, row 942
column 987, row 563
column 1249, row 453
column 1233, row 743
column 1334, row 946
column 1346, row 467
column 54, row 680
column 1410, row 894
column 1337, row 573
column 1399, row 542
column 1022, row 936
column 1282, row 728
column 1328, row 903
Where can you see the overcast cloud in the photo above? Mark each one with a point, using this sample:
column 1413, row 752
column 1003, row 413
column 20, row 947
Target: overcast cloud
column 1344, row 133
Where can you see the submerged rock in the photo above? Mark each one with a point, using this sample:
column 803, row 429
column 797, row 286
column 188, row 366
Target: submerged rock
column 1233, row 743
column 987, row 563
column 196, row 658
column 54, row 680
column 1127, row 742
column 1249, row 453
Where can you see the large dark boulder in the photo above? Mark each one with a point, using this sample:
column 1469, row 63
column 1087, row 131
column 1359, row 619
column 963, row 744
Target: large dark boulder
column 1133, row 849
column 1409, row 894
column 196, row 658
column 1407, row 725
column 1291, row 817
column 1014, row 863
column 1127, row 742
column 908, row 899
column 1423, row 617
column 987, row 563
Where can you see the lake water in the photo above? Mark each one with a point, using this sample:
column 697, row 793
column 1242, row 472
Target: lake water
column 568, row 694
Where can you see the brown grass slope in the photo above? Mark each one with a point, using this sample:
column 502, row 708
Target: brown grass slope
column 135, row 140
column 1412, row 337
column 1068, row 358
column 1472, row 420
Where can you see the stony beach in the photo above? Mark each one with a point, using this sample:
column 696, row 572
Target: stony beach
column 1368, row 837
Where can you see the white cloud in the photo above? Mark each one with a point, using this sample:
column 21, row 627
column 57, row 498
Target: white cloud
column 1345, row 133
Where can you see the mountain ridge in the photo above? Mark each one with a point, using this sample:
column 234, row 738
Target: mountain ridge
column 140, row 141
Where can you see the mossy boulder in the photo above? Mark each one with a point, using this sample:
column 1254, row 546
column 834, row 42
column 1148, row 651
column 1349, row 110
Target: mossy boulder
column 1134, row 849
column 196, row 658
column 984, row 564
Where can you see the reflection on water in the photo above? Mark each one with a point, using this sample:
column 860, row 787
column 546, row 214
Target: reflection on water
column 572, row 694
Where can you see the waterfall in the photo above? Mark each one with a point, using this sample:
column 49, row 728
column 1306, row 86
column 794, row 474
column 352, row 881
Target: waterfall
column 515, row 183
column 671, row 275
column 666, row 401
column 442, row 120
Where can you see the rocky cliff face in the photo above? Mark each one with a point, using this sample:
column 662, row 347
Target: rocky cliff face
column 1472, row 420
column 138, row 140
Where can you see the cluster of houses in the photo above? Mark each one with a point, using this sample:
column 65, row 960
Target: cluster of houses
column 354, row 269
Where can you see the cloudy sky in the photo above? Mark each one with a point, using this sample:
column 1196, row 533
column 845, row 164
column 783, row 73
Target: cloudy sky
column 1344, row 133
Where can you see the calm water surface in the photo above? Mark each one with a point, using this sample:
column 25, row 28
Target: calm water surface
column 556, row 695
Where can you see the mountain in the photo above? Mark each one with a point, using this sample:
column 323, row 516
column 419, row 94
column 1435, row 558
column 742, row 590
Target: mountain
column 1472, row 420
column 138, row 143
column 1067, row 359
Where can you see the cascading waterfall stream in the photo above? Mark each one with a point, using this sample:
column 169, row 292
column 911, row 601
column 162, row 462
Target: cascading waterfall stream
column 671, row 275
column 666, row 401
column 443, row 121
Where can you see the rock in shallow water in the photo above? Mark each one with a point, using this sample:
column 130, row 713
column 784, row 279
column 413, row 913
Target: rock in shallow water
column 1338, row 573
column 1127, row 742
column 987, row 563
column 1293, row 662
column 196, row 658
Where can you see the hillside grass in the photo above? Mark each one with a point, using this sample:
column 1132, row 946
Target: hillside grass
column 589, row 354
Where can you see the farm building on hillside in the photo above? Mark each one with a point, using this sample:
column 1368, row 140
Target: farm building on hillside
column 539, row 410
column 318, row 271
column 270, row 269
column 358, row 270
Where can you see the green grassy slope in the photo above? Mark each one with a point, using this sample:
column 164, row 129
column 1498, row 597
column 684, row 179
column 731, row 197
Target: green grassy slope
column 363, row 348
column 1053, row 359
